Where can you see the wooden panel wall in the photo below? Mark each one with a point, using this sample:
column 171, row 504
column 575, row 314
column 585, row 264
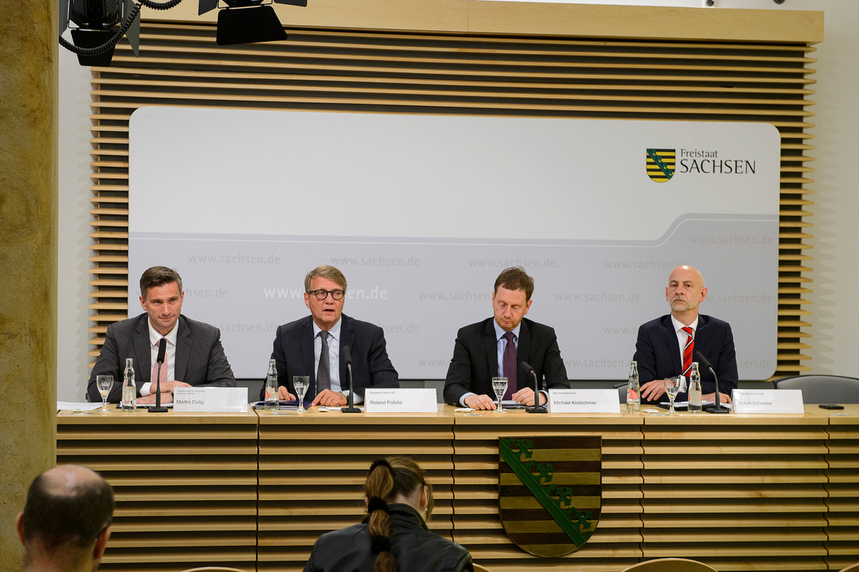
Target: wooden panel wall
column 185, row 485
column 509, row 74
column 742, row 493
column 312, row 469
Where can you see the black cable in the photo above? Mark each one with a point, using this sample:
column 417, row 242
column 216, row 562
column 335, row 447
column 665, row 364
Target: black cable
column 126, row 24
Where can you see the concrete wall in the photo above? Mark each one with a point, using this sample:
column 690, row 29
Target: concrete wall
column 836, row 264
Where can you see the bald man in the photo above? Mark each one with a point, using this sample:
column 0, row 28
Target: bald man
column 661, row 342
column 65, row 525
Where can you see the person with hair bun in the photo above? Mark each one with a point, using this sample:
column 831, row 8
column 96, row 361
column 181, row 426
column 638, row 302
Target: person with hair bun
column 394, row 536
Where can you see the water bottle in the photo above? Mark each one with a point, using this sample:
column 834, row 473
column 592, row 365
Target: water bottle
column 633, row 395
column 129, row 389
column 271, row 400
column 695, row 389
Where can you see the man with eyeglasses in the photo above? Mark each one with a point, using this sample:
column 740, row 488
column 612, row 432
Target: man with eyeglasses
column 65, row 525
column 312, row 346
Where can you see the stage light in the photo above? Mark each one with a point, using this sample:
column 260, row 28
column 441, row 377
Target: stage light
column 247, row 21
column 95, row 37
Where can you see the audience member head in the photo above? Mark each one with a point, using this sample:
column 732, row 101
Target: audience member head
column 393, row 480
column 66, row 520
column 511, row 299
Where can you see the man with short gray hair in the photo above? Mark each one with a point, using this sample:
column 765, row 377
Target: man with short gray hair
column 66, row 521
column 313, row 346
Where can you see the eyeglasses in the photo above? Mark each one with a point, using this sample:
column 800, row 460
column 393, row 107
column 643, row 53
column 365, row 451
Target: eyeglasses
column 322, row 294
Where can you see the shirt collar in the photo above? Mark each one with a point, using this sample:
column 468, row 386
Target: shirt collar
column 334, row 332
column 678, row 326
column 155, row 337
column 499, row 331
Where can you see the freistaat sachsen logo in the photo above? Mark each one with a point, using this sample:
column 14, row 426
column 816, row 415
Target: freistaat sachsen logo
column 660, row 164
column 549, row 491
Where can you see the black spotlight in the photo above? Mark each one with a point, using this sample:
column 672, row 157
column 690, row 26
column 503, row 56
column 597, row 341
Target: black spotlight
column 96, row 36
column 247, row 21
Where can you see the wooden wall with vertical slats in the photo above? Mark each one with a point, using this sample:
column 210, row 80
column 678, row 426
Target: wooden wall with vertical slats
column 375, row 70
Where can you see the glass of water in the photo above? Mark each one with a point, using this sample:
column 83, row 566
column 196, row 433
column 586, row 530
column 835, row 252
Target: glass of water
column 672, row 388
column 499, row 386
column 103, row 383
column 301, row 383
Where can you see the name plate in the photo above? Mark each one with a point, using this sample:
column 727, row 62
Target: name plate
column 211, row 399
column 767, row 401
column 399, row 400
column 584, row 401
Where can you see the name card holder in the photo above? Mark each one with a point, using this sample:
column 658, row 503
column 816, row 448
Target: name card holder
column 400, row 400
column 767, row 401
column 584, row 401
column 211, row 399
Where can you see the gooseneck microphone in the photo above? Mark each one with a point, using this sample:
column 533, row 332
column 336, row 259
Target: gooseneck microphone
column 162, row 350
column 717, row 407
column 347, row 357
column 536, row 408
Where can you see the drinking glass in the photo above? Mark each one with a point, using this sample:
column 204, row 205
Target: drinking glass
column 499, row 386
column 301, row 383
column 103, row 383
column 672, row 388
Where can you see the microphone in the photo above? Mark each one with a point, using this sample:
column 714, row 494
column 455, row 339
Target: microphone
column 162, row 349
column 347, row 357
column 717, row 407
column 536, row 408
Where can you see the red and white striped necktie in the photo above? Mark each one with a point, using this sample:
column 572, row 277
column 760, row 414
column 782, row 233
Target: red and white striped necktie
column 688, row 350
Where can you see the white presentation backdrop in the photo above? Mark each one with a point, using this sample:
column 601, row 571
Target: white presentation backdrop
column 421, row 213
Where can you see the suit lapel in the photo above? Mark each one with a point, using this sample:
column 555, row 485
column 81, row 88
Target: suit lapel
column 183, row 350
column 143, row 349
column 491, row 348
column 307, row 358
column 347, row 338
column 672, row 344
column 524, row 350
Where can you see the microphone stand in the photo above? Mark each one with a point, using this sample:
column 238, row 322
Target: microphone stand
column 158, row 408
column 536, row 408
column 717, row 407
column 351, row 399
column 162, row 349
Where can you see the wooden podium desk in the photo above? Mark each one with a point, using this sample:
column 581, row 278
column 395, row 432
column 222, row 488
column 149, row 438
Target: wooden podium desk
column 741, row 492
column 185, row 484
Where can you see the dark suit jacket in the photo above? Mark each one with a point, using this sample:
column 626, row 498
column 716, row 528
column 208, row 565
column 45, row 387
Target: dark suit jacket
column 293, row 354
column 657, row 352
column 413, row 545
column 475, row 359
column 200, row 358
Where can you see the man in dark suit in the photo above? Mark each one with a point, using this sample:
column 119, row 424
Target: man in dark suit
column 313, row 346
column 194, row 356
column 496, row 346
column 662, row 343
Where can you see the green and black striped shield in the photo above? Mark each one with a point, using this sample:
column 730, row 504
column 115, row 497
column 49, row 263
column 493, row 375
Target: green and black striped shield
column 549, row 491
column 660, row 164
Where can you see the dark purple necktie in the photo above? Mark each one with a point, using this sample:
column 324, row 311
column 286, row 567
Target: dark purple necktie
column 509, row 365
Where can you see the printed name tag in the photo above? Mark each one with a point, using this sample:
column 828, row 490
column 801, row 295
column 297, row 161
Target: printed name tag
column 417, row 400
column 584, row 401
column 211, row 399
column 767, row 401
